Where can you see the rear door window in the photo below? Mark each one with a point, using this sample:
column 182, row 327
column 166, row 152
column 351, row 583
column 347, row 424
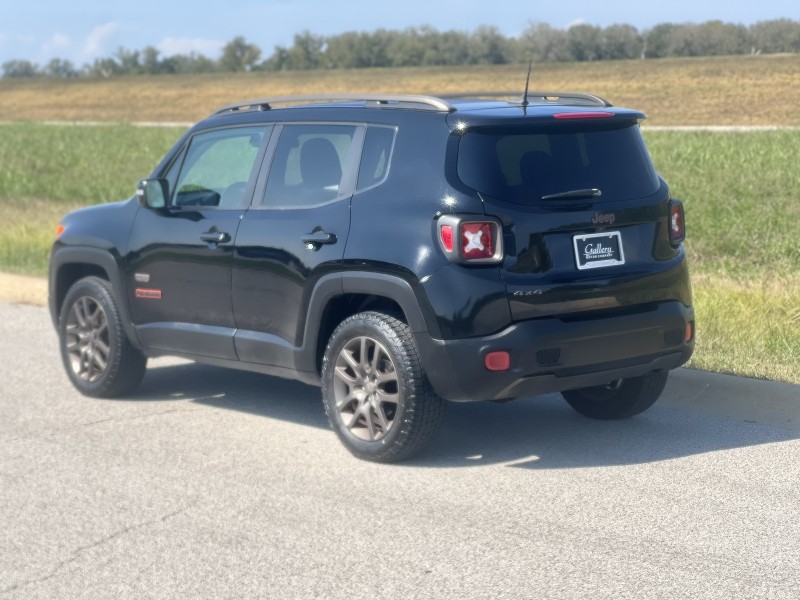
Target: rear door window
column 524, row 165
column 311, row 165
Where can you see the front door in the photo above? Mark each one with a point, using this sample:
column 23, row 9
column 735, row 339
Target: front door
column 179, row 261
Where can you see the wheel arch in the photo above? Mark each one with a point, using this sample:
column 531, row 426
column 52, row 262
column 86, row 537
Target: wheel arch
column 70, row 264
column 336, row 297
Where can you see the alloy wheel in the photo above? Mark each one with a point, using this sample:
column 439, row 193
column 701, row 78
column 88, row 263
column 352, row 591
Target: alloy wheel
column 366, row 388
column 87, row 339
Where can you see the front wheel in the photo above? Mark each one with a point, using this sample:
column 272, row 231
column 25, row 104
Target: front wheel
column 98, row 358
column 619, row 399
column 375, row 392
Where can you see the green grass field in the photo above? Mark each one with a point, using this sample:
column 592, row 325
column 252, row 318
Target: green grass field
column 740, row 191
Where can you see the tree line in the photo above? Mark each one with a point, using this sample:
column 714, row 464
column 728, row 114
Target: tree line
column 426, row 46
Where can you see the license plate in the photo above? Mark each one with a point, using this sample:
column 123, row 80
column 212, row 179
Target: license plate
column 596, row 250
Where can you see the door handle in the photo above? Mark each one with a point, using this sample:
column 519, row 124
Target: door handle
column 215, row 236
column 316, row 239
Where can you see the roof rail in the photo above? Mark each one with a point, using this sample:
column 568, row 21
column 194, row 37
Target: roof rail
column 377, row 100
column 537, row 96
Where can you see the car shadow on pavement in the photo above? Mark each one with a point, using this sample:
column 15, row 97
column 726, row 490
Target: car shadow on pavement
column 536, row 433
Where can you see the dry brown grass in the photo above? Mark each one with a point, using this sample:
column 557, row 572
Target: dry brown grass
column 751, row 90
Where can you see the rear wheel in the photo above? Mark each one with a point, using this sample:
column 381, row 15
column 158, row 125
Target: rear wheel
column 376, row 395
column 98, row 358
column 619, row 399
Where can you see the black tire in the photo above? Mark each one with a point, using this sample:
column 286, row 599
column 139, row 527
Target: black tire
column 98, row 358
column 375, row 392
column 619, row 399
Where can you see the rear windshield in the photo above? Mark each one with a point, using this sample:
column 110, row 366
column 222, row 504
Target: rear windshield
column 523, row 166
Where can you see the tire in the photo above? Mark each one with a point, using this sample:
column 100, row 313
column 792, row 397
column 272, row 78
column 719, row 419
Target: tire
column 375, row 392
column 98, row 358
column 619, row 399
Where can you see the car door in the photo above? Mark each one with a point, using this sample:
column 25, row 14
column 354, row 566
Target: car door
column 294, row 235
column 180, row 256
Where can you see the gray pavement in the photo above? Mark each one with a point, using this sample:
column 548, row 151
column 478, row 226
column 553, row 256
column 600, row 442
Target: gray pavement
column 211, row 483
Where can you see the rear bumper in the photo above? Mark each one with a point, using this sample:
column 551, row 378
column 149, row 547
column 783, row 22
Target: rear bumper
column 557, row 354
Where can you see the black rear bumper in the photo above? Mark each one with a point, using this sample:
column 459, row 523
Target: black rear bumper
column 557, row 354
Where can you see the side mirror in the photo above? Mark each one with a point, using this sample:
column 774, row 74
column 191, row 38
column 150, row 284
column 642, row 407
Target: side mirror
column 152, row 193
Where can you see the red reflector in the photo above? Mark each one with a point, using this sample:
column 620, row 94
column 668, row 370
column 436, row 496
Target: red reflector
column 584, row 115
column 476, row 240
column 446, row 233
column 689, row 331
column 497, row 361
column 677, row 226
column 60, row 229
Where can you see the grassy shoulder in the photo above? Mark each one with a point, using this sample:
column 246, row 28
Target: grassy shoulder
column 749, row 327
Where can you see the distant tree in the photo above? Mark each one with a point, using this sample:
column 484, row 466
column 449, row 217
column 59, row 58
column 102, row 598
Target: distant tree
column 277, row 61
column 150, row 63
column 20, row 68
column 620, row 42
column 238, row 55
column 779, row 35
column 407, row 48
column 103, row 68
column 354, row 50
column 444, row 48
column 657, row 41
column 128, row 61
column 60, row 68
column 542, row 43
column 188, row 63
column 584, row 42
column 306, row 52
column 487, row 46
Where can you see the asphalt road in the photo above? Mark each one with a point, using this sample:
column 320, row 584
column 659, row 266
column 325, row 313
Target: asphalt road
column 220, row 484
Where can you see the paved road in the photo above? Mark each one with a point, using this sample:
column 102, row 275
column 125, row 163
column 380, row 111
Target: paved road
column 219, row 484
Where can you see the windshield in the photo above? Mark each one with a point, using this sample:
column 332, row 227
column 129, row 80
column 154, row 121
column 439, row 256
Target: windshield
column 524, row 166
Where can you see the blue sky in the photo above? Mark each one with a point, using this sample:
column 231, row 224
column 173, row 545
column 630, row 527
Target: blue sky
column 82, row 30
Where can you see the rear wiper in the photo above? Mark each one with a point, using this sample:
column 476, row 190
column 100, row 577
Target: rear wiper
column 584, row 193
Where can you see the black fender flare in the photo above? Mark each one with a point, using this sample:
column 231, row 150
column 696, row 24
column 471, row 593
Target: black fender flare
column 333, row 285
column 65, row 256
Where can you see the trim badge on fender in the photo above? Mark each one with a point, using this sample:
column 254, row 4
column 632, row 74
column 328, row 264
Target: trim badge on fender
column 148, row 294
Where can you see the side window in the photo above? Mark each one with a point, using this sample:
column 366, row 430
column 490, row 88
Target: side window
column 217, row 167
column 376, row 157
column 308, row 165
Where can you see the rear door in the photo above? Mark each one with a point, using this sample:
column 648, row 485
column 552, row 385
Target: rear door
column 180, row 257
column 584, row 213
column 294, row 235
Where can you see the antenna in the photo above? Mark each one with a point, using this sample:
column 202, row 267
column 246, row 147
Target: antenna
column 527, row 81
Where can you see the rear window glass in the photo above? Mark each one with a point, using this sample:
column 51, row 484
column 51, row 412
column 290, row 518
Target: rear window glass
column 522, row 166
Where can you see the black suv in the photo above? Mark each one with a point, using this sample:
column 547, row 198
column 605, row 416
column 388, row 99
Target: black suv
column 399, row 251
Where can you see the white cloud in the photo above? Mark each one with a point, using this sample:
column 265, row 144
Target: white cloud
column 58, row 42
column 576, row 22
column 171, row 46
column 97, row 37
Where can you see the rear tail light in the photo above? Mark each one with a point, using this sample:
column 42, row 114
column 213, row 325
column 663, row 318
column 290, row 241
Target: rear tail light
column 477, row 240
column 469, row 240
column 446, row 237
column 677, row 224
column 59, row 229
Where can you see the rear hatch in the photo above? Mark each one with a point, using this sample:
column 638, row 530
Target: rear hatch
column 584, row 213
